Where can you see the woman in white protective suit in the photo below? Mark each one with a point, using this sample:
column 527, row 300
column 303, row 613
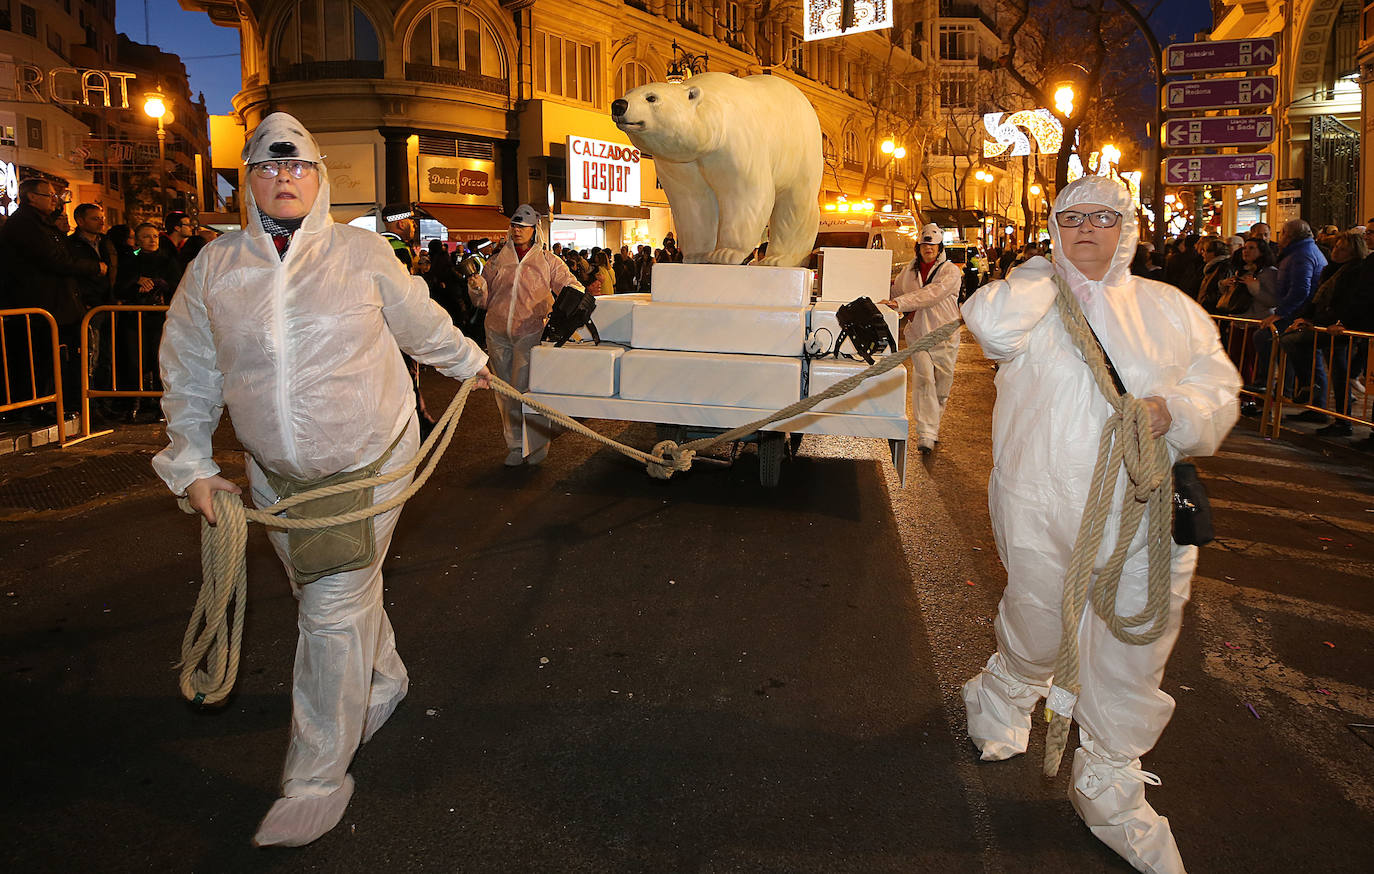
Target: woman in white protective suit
column 928, row 289
column 1047, row 422
column 296, row 326
column 518, row 286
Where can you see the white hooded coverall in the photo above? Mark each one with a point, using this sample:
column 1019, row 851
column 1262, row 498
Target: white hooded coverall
column 519, row 296
column 932, row 302
column 1046, row 425
column 305, row 354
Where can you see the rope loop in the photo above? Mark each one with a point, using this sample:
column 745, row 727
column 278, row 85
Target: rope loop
column 669, row 458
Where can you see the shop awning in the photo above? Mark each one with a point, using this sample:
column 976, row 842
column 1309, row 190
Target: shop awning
column 478, row 219
column 600, row 212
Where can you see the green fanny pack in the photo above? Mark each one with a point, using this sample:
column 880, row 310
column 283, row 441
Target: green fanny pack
column 319, row 552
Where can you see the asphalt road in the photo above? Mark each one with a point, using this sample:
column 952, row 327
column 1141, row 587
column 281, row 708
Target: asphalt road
column 610, row 673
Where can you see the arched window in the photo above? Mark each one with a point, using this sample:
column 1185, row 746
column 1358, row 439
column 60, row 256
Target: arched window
column 631, row 76
column 851, row 147
column 828, row 148
column 456, row 38
column 326, row 30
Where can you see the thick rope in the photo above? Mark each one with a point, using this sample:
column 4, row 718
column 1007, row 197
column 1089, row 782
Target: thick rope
column 211, row 636
column 1126, row 441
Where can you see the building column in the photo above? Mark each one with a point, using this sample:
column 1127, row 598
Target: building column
column 396, row 164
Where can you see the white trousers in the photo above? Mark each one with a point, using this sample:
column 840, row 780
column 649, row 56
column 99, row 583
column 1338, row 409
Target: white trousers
column 346, row 658
column 1121, row 705
column 509, row 359
column 932, row 375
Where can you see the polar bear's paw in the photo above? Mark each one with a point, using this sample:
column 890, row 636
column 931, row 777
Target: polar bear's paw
column 727, row 256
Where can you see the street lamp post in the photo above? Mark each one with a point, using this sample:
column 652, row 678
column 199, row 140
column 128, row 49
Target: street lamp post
column 155, row 106
column 894, row 154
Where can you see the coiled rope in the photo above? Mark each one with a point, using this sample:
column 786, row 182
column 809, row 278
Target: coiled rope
column 214, row 638
column 1126, row 441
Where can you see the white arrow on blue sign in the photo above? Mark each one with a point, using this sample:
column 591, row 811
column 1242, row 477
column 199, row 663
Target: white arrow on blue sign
column 1253, row 92
column 1219, row 169
column 1242, row 130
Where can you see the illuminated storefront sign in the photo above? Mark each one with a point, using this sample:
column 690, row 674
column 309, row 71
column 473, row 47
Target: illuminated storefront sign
column 1008, row 133
column 459, row 180
column 352, row 172
column 602, row 172
column 826, row 18
column 69, row 86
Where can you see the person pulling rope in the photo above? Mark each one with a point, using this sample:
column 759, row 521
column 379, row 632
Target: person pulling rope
column 1126, row 441
column 211, row 636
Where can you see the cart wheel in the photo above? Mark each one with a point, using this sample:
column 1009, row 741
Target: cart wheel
column 795, row 442
column 772, row 447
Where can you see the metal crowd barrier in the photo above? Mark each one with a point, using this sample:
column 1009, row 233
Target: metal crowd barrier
column 1337, row 352
column 127, row 349
column 9, row 366
column 1268, row 382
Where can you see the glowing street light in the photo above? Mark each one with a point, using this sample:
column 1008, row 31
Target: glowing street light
column 895, row 153
column 1111, row 154
column 1063, row 99
column 155, row 106
column 1035, row 189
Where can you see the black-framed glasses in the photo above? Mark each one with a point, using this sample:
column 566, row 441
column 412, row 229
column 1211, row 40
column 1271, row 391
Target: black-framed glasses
column 1103, row 218
column 270, row 169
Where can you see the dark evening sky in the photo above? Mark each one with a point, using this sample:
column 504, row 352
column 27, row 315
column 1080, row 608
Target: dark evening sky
column 204, row 46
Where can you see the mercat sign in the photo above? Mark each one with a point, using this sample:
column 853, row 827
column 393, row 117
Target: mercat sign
column 69, row 86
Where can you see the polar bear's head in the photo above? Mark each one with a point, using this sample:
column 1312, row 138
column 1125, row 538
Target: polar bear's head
column 673, row 122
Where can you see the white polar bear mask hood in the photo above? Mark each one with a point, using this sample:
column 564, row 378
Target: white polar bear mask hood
column 672, row 122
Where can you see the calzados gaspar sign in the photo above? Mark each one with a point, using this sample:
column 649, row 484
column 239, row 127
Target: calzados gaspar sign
column 602, row 172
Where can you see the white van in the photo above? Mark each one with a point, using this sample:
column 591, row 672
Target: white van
column 870, row 231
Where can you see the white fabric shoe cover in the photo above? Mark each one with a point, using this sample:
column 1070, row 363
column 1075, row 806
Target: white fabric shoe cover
column 378, row 714
column 1109, row 795
column 537, row 456
column 998, row 705
column 301, row 819
column 515, row 458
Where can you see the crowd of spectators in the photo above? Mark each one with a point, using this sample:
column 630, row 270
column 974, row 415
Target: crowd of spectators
column 70, row 268
column 1311, row 289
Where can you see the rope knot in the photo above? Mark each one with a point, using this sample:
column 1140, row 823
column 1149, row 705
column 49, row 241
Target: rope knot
column 669, row 459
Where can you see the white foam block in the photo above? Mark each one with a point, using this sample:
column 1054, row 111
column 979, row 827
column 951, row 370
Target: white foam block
column 689, row 327
column 879, row 396
column 613, row 316
column 571, row 369
column 741, row 285
column 850, row 273
column 822, row 315
column 760, row 381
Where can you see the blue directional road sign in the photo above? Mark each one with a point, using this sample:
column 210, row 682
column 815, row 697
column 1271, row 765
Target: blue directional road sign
column 1221, row 56
column 1219, row 169
column 1252, row 92
column 1242, row 130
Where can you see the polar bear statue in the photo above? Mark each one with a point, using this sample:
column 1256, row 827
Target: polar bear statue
column 734, row 156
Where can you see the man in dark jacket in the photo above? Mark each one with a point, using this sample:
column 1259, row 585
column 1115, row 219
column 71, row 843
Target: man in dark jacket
column 1183, row 270
column 88, row 242
column 41, row 272
column 185, row 242
column 1300, row 268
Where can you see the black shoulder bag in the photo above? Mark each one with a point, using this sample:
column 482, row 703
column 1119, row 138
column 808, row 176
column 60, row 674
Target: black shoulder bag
column 1192, row 509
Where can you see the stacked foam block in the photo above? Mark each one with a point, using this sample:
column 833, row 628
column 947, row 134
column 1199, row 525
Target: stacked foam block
column 714, row 335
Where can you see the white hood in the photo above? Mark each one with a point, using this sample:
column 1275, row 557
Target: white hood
column 1109, row 193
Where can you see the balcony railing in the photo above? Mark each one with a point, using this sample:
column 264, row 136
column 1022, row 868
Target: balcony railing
column 457, row 78
column 313, row 70
column 950, row 9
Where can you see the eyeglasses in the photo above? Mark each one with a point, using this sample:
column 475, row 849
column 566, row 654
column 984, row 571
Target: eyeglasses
column 1103, row 218
column 270, row 169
